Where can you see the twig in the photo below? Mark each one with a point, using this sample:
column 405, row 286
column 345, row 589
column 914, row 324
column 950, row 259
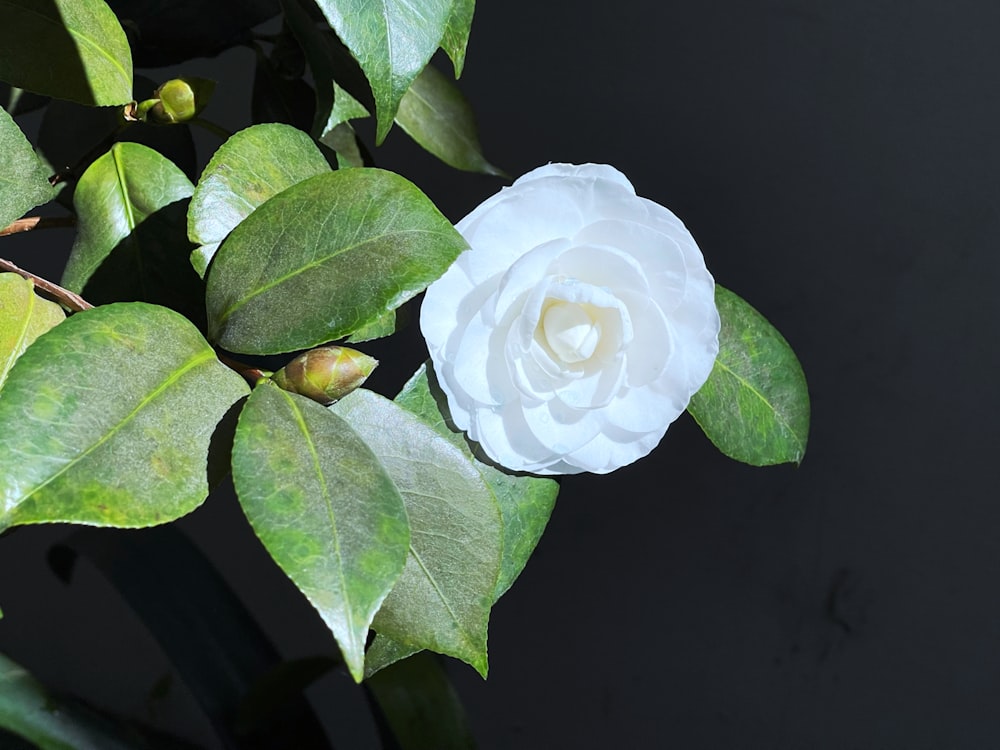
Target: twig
column 249, row 373
column 65, row 297
column 38, row 222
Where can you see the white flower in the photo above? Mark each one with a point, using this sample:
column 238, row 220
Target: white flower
column 578, row 325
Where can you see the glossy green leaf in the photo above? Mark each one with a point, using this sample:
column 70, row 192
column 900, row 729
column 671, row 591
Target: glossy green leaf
column 248, row 169
column 325, row 509
column 325, row 258
column 420, row 707
column 121, row 191
column 384, row 651
column 443, row 598
column 435, row 114
column 24, row 316
column 383, row 326
column 106, row 420
column 67, row 49
column 24, row 179
column 456, row 32
column 166, row 32
column 28, row 710
column 525, row 502
column 392, row 40
column 755, row 405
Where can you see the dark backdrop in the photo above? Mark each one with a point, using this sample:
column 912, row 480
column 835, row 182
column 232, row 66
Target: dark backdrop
column 837, row 162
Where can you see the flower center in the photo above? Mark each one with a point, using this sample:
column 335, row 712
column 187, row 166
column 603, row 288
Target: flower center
column 570, row 331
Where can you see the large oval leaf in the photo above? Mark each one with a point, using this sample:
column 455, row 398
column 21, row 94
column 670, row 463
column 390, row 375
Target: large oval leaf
column 24, row 180
column 106, row 420
column 755, row 405
column 130, row 210
column 24, row 316
column 435, row 114
column 324, row 508
column 252, row 166
column 443, row 598
column 392, row 40
column 325, row 258
column 68, row 49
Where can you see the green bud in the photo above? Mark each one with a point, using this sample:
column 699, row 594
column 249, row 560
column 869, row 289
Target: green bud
column 179, row 100
column 325, row 374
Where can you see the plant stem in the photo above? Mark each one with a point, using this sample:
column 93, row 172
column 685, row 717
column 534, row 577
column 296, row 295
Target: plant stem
column 211, row 127
column 250, row 374
column 38, row 222
column 65, row 297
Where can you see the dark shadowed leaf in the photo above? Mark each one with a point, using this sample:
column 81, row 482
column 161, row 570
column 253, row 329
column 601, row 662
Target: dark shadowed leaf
column 67, row 49
column 755, row 405
column 172, row 31
column 420, row 707
column 24, row 316
column 19, row 102
column 325, row 509
column 392, row 40
column 456, row 32
column 325, row 258
column 24, row 179
column 278, row 97
column 435, row 114
column 442, row 600
column 252, row 166
column 106, row 420
column 210, row 638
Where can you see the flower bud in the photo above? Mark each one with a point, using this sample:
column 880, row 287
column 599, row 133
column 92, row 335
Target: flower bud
column 325, row 374
column 179, row 100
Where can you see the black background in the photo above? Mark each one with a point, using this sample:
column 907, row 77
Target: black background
column 837, row 163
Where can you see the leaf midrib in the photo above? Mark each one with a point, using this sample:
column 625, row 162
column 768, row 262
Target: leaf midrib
column 777, row 414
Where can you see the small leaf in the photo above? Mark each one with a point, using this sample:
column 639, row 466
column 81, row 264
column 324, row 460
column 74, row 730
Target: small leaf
column 106, row 420
column 755, row 405
column 443, row 598
column 456, row 33
column 325, row 258
column 24, row 316
column 392, row 40
column 28, row 710
column 252, row 166
column 67, row 49
column 525, row 502
column 436, row 115
column 24, row 179
column 323, row 506
column 420, row 706
column 130, row 207
column 172, row 31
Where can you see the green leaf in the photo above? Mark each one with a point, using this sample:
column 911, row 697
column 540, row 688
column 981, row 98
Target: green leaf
column 254, row 165
column 325, row 258
column 383, row 326
column 67, row 49
column 443, row 598
column 384, row 651
column 24, row 179
column 525, row 502
column 324, row 508
column 19, row 102
column 420, row 706
column 131, row 245
column 755, row 405
column 24, row 316
column 106, row 420
column 392, row 40
column 456, row 33
column 28, row 710
column 436, row 115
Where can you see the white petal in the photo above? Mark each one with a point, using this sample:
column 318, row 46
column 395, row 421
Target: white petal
column 560, row 428
column 578, row 171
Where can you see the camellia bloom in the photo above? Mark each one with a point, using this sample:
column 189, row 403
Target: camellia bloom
column 578, row 325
